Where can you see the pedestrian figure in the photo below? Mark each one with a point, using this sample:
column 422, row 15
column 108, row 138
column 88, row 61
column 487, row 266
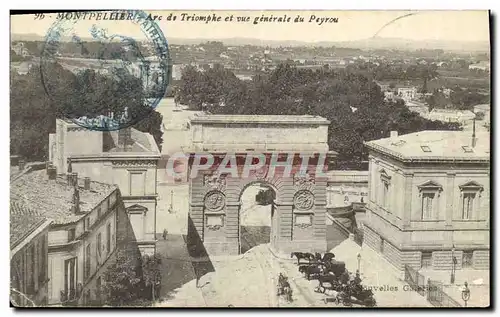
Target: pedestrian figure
column 165, row 234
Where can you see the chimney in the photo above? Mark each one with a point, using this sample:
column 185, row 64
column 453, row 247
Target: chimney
column 22, row 164
column 394, row 134
column 73, row 179
column 473, row 133
column 76, row 201
column 87, row 183
column 52, row 172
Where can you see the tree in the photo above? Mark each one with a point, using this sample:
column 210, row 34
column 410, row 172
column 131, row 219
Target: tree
column 123, row 281
column 332, row 94
column 37, row 104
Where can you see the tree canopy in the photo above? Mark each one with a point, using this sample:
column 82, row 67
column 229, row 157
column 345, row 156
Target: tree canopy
column 35, row 107
column 352, row 102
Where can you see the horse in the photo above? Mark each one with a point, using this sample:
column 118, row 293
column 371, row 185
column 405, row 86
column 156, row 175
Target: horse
column 328, row 278
column 313, row 269
column 299, row 256
column 327, row 257
column 336, row 267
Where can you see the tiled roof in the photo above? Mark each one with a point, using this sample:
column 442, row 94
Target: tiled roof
column 23, row 221
column 435, row 145
column 53, row 198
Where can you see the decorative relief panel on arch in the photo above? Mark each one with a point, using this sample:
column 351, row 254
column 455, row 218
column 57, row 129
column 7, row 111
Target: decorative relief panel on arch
column 214, row 222
column 215, row 201
column 215, row 181
column 261, row 173
column 303, row 200
column 306, row 181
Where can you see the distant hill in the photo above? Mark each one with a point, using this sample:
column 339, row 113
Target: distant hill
column 366, row 44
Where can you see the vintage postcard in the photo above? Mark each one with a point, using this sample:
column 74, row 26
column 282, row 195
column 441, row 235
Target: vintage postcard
column 250, row 159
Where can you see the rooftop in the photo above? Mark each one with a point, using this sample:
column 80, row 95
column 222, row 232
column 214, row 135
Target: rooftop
column 268, row 119
column 53, row 198
column 435, row 145
column 139, row 142
column 23, row 222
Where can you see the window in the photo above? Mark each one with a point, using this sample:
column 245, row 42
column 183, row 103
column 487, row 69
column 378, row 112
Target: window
column 98, row 283
column 87, row 261
column 468, row 205
column 99, row 212
column 87, row 223
column 385, row 182
column 42, row 265
column 470, row 194
column 98, row 247
column 427, row 203
column 467, row 259
column 108, row 238
column 425, row 148
column 70, row 278
column 382, row 242
column 31, row 271
column 137, row 180
column 429, row 193
column 385, row 194
column 71, row 234
column 467, row 149
column 426, row 259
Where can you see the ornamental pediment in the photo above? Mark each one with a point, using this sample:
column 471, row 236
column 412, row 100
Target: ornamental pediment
column 384, row 175
column 430, row 185
column 471, row 185
column 136, row 209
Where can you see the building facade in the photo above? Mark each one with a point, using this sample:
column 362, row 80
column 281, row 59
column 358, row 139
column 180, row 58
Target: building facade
column 429, row 200
column 346, row 187
column 127, row 158
column 28, row 256
column 81, row 241
column 451, row 115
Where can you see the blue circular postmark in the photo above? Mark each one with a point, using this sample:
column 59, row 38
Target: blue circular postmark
column 105, row 80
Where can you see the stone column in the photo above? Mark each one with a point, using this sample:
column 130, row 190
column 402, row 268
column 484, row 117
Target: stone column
column 232, row 228
column 450, row 184
column 408, row 197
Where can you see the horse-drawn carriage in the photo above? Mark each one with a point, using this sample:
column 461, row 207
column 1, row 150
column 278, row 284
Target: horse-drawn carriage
column 334, row 280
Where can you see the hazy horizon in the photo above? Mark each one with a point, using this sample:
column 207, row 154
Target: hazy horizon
column 453, row 26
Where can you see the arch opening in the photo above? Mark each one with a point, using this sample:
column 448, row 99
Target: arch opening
column 256, row 215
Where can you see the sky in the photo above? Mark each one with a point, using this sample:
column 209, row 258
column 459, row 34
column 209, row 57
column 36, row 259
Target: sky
column 352, row 25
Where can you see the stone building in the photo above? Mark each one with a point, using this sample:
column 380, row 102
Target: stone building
column 28, row 256
column 82, row 237
column 346, row 187
column 429, row 199
column 128, row 158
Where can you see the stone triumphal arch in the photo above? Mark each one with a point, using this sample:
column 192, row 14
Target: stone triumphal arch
column 299, row 210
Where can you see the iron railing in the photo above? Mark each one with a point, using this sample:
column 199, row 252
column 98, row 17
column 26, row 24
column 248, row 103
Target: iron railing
column 438, row 297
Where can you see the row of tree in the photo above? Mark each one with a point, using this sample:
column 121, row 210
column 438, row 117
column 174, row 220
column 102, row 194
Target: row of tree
column 351, row 101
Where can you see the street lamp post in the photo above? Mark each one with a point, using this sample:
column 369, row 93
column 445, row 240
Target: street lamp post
column 466, row 293
column 359, row 261
column 453, row 263
column 171, row 208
